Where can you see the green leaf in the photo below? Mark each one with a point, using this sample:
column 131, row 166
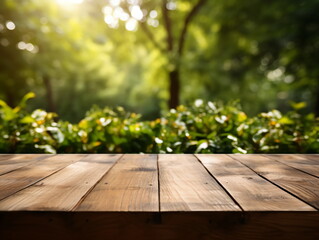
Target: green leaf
column 298, row 106
column 285, row 120
column 26, row 97
column 27, row 119
column 3, row 104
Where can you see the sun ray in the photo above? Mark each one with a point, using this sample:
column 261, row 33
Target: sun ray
column 69, row 2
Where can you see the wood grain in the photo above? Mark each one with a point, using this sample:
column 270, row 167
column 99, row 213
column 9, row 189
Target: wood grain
column 166, row 226
column 185, row 185
column 100, row 197
column 101, row 158
column 131, row 185
column 6, row 156
column 62, row 190
column 301, row 184
column 245, row 186
column 23, row 177
column 9, row 164
column 301, row 162
column 314, row 157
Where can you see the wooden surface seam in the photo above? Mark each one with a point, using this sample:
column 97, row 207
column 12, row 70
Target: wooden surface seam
column 159, row 182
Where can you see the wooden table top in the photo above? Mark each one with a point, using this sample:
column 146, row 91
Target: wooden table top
column 159, row 183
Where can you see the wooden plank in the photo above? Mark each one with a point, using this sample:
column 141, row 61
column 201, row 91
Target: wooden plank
column 240, row 225
column 185, row 185
column 164, row 226
column 13, row 182
column 17, row 161
column 314, row 157
column 102, row 158
column 301, row 162
column 6, row 156
column 131, row 185
column 301, row 184
column 252, row 192
column 64, row 189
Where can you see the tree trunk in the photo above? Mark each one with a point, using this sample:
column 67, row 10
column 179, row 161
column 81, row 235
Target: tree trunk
column 174, row 88
column 51, row 107
column 174, row 76
column 317, row 102
column 10, row 98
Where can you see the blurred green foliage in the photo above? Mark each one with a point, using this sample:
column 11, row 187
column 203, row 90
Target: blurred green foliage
column 264, row 53
column 204, row 127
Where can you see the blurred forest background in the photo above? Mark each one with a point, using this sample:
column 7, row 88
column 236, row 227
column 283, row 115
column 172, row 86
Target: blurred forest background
column 152, row 55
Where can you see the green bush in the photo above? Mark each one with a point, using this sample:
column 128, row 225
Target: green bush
column 205, row 127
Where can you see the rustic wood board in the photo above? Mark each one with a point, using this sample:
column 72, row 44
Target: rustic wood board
column 314, row 157
column 300, row 184
column 17, row 161
column 23, row 177
column 185, row 185
column 62, row 190
column 6, row 156
column 102, row 196
column 300, row 162
column 166, row 226
column 131, row 185
column 245, row 186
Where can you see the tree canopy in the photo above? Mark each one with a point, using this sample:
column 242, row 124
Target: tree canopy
column 151, row 55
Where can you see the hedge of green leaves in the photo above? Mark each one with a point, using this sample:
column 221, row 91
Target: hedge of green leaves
column 201, row 128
